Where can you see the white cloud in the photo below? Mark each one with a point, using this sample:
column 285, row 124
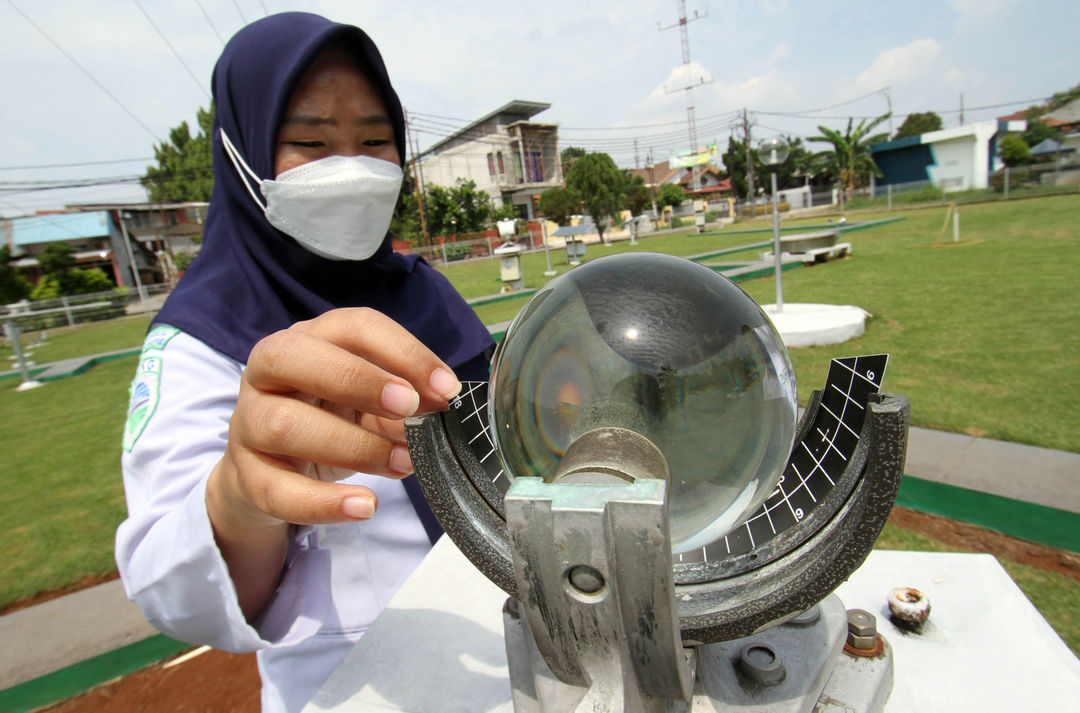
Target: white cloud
column 899, row 65
column 781, row 52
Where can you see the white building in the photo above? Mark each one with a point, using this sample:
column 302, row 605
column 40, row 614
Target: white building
column 956, row 159
column 510, row 158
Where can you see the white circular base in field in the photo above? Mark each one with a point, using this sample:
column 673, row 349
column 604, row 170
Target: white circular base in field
column 811, row 325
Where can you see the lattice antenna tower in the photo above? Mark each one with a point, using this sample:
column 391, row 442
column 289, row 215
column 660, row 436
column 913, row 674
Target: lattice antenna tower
column 684, row 37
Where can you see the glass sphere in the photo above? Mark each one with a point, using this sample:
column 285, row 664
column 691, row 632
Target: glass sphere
column 773, row 151
column 664, row 347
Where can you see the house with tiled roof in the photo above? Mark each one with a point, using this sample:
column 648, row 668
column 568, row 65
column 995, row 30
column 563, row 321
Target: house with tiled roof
column 508, row 155
column 710, row 184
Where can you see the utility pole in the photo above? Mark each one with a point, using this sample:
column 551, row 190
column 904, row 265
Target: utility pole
column 637, row 164
column 749, row 159
column 888, row 99
column 961, row 108
column 689, row 86
column 652, row 183
column 418, row 181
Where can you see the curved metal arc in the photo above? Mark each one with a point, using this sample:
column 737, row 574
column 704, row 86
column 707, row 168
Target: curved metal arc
column 720, row 609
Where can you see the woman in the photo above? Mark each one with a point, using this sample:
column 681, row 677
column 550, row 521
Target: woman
column 260, row 408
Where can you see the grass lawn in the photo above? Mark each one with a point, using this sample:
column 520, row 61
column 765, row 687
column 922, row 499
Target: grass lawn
column 86, row 338
column 61, row 494
column 982, row 335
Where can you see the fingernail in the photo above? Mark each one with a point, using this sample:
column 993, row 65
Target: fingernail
column 400, row 399
column 445, row 384
column 400, row 462
column 358, row 508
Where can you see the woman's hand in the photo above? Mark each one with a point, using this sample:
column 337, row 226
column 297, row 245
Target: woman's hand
column 324, row 398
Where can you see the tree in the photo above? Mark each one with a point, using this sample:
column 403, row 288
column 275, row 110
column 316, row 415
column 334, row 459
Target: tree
column 638, row 195
column 735, row 163
column 558, row 204
column 461, row 209
column 850, row 159
column 789, row 174
column 185, row 163
column 13, row 286
column 569, row 156
column 61, row 278
column 1058, row 100
column 1039, row 131
column 600, row 184
column 56, row 259
column 670, row 195
column 918, row 123
column 1014, row 151
column 405, row 223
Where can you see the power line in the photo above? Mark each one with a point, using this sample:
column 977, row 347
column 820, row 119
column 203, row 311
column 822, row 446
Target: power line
column 237, row 6
column 827, row 108
column 75, row 165
column 210, row 22
column 54, row 221
column 84, row 70
column 172, row 49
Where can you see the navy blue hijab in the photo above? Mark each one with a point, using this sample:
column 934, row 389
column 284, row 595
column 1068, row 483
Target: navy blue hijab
column 250, row 279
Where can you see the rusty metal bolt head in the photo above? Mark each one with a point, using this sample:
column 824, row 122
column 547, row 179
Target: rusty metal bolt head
column 862, row 629
column 908, row 608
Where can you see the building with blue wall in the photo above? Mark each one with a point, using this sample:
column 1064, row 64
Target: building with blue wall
column 956, row 159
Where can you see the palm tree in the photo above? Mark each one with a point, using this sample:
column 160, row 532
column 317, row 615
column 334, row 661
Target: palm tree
column 850, row 156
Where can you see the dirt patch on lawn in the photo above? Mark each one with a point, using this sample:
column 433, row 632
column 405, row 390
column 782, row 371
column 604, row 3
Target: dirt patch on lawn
column 211, row 682
column 964, row 537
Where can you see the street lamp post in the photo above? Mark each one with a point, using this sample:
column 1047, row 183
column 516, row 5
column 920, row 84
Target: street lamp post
column 774, row 152
column 549, row 272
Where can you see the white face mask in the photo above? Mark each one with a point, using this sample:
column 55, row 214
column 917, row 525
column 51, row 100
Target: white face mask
column 338, row 207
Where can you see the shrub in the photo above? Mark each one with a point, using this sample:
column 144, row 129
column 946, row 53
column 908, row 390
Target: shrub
column 1016, row 177
column 457, row 251
column 47, row 288
column 182, row 260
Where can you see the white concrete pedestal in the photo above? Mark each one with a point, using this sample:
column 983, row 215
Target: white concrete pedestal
column 811, row 325
column 438, row 647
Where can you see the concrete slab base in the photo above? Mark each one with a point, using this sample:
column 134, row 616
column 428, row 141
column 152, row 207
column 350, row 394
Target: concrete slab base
column 812, row 325
column 438, row 646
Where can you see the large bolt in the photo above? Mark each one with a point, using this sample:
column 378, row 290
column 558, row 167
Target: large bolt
column 761, row 664
column 806, row 618
column 862, row 629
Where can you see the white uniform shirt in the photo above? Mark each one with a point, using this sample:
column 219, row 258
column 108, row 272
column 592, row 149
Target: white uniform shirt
column 335, row 582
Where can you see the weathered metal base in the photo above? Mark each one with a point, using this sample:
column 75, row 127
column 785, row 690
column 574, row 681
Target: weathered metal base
column 798, row 667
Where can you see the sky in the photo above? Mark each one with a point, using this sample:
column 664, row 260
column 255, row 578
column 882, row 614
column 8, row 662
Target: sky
column 89, row 86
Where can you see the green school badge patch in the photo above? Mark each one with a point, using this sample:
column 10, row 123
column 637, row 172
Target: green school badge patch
column 146, row 387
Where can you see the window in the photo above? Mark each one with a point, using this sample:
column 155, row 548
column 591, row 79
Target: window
column 491, row 164
column 502, row 168
column 534, row 167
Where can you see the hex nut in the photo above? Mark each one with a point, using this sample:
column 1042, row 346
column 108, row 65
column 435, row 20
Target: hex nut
column 862, row 630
